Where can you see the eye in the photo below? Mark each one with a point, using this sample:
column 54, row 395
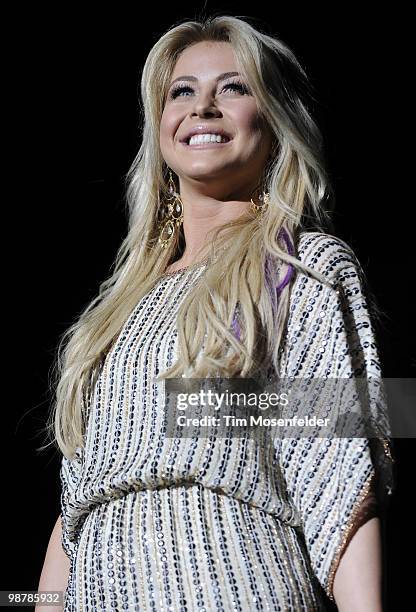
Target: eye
column 238, row 87
column 176, row 91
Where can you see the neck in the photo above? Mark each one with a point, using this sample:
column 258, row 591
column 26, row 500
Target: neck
column 204, row 212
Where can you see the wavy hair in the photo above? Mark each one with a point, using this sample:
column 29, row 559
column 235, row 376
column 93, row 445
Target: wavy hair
column 234, row 312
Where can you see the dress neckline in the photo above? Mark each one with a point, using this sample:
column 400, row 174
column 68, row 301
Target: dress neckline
column 195, row 265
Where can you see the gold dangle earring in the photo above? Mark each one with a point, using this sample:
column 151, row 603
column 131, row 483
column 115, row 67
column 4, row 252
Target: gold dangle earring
column 264, row 199
column 174, row 216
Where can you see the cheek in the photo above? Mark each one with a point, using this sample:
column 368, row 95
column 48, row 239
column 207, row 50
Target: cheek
column 167, row 126
column 258, row 130
column 245, row 116
column 163, row 131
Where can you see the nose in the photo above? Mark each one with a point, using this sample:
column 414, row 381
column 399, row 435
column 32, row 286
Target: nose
column 205, row 107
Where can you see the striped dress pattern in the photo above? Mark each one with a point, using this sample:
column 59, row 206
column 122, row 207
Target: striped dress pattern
column 186, row 524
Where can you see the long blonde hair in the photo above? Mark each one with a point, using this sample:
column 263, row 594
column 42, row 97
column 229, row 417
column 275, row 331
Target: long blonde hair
column 297, row 182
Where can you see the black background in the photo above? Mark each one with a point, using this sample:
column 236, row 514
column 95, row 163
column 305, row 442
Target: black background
column 74, row 126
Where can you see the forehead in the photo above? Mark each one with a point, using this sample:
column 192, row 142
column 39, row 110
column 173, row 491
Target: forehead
column 205, row 60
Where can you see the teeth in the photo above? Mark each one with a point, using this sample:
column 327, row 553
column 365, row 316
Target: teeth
column 202, row 138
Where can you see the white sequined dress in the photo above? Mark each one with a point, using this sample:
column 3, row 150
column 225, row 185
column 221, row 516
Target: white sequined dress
column 151, row 523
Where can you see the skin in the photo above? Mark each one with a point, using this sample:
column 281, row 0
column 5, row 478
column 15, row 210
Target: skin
column 215, row 184
column 358, row 579
column 55, row 570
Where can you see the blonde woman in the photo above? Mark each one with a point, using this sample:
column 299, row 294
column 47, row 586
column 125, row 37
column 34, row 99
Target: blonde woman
column 226, row 270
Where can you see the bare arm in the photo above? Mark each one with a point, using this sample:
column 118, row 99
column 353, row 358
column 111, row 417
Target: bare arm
column 55, row 571
column 357, row 583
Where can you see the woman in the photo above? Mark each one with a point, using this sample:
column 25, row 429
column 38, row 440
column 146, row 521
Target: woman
column 219, row 275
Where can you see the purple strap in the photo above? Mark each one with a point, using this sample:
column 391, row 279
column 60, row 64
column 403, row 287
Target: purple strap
column 280, row 287
column 236, row 327
column 291, row 269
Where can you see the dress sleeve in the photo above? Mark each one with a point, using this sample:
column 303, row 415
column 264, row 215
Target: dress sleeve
column 70, row 472
column 334, row 483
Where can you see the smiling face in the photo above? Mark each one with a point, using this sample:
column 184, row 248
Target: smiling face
column 205, row 98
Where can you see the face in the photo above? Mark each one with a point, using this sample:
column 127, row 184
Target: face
column 203, row 97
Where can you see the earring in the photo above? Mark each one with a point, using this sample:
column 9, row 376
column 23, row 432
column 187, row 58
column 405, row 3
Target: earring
column 258, row 209
column 174, row 216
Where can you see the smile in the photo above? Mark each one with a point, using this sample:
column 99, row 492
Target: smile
column 206, row 145
column 207, row 140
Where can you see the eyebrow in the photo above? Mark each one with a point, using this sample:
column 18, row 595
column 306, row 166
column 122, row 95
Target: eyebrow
column 221, row 77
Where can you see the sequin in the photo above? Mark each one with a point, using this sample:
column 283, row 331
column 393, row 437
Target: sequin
column 151, row 523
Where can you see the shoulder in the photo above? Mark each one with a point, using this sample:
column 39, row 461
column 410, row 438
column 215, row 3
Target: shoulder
column 334, row 281
column 327, row 254
column 327, row 319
